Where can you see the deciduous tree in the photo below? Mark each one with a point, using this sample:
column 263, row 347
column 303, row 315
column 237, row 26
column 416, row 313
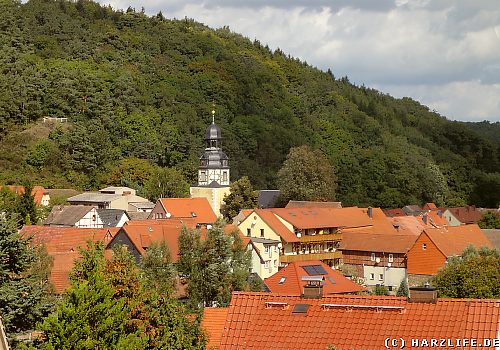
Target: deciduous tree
column 306, row 175
column 241, row 196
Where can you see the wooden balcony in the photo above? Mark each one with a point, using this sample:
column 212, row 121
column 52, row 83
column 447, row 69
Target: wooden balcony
column 321, row 238
column 312, row 256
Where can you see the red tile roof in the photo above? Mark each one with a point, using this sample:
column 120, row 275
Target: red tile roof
column 408, row 225
column 281, row 230
column 313, row 204
column 369, row 242
column 213, row 323
column 430, row 206
column 454, row 239
column 292, row 284
column 37, row 192
column 62, row 244
column 187, row 207
column 394, row 212
column 267, row 321
column 306, row 218
column 466, row 215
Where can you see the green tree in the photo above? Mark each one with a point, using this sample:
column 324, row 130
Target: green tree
column 26, row 207
column 489, row 220
column 213, row 267
column 380, row 290
column 474, row 274
column 403, row 289
column 306, row 175
column 158, row 269
column 166, row 183
column 24, row 289
column 241, row 196
column 110, row 306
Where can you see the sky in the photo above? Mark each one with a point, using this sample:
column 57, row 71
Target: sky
column 442, row 53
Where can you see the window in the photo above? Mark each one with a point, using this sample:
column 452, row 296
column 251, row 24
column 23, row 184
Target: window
column 203, row 176
column 224, row 176
column 262, row 232
column 381, row 277
column 424, row 246
column 266, row 248
column 275, row 263
column 391, row 258
column 372, row 258
column 94, row 218
column 372, row 276
column 282, row 280
column 266, row 264
column 249, row 232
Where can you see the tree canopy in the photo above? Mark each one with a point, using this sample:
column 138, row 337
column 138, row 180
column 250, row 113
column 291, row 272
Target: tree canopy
column 140, row 87
column 474, row 274
column 241, row 196
column 306, row 175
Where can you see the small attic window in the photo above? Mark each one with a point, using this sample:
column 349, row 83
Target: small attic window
column 424, row 246
column 282, row 280
column 300, row 308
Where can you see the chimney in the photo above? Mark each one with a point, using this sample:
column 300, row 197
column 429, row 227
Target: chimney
column 424, row 218
column 370, row 212
column 426, row 294
column 314, row 287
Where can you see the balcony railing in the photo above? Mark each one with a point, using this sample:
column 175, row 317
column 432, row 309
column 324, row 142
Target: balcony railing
column 310, row 256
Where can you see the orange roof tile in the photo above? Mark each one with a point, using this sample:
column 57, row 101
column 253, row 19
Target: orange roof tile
column 370, row 242
column 394, row 212
column 197, row 208
column 302, row 218
column 213, row 323
column 268, row 321
column 62, row 244
column 313, row 204
column 281, row 230
column 37, row 192
column 466, row 215
column 408, row 224
column 430, row 206
column 292, row 284
column 454, row 239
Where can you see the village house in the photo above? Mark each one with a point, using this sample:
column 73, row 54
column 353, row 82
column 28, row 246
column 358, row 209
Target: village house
column 462, row 215
column 264, row 321
column 124, row 198
column 302, row 234
column 197, row 209
column 63, row 244
column 82, row 216
column 296, row 276
column 40, row 195
column 113, row 217
column 378, row 258
column 434, row 246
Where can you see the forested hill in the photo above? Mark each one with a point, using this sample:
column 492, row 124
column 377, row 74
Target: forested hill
column 138, row 87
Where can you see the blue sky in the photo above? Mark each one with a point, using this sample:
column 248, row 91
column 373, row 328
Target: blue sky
column 443, row 53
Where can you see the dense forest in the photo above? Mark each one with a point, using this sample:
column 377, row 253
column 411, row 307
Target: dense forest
column 138, row 90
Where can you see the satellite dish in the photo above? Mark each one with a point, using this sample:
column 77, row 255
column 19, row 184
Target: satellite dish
column 168, row 215
column 377, row 260
column 389, row 264
column 280, row 245
column 299, row 235
column 254, row 223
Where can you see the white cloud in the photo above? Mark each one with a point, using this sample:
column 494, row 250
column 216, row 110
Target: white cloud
column 442, row 47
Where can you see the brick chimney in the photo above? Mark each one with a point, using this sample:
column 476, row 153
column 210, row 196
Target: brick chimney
column 426, row 294
column 314, row 287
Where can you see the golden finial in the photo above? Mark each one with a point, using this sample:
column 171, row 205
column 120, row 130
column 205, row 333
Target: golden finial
column 213, row 113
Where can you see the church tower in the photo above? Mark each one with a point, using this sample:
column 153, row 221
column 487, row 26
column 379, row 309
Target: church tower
column 213, row 170
column 214, row 163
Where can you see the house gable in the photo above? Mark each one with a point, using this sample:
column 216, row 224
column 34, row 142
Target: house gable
column 425, row 258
